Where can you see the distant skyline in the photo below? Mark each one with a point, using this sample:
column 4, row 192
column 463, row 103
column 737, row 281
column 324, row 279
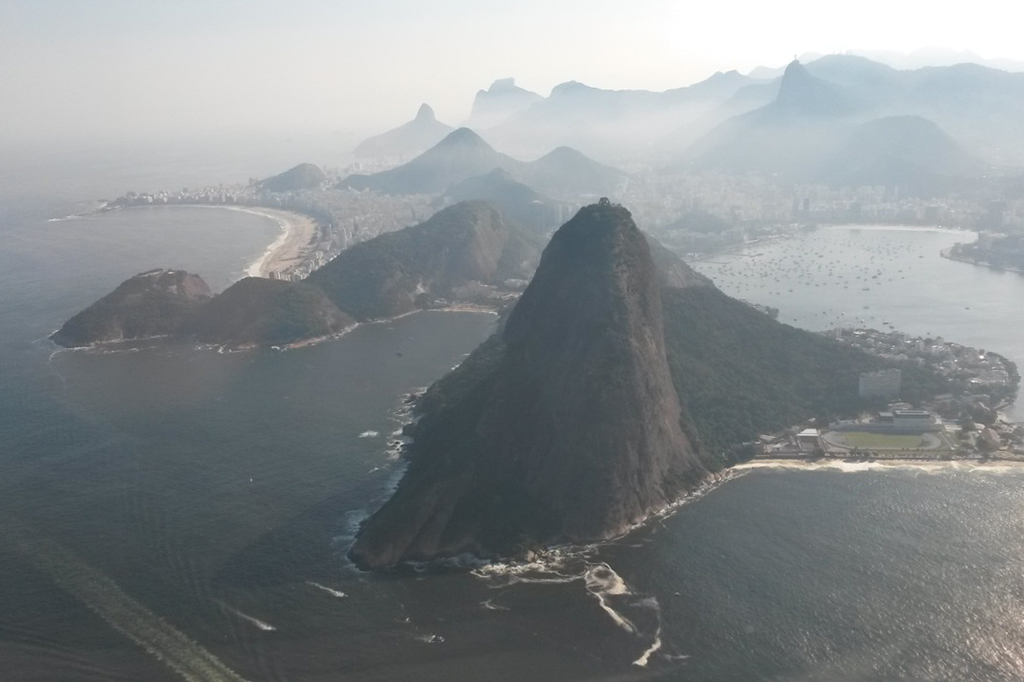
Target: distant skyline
column 118, row 69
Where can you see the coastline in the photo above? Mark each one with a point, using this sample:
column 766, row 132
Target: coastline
column 288, row 250
column 948, row 255
column 838, row 464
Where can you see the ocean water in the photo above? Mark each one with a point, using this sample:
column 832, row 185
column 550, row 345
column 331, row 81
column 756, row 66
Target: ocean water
column 178, row 513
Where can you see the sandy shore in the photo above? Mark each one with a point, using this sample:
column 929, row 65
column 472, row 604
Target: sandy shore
column 288, row 250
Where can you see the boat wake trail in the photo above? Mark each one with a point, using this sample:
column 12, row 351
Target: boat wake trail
column 121, row 611
column 262, row 625
column 334, row 593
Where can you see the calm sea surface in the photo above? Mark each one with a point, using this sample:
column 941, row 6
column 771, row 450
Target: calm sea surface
column 177, row 513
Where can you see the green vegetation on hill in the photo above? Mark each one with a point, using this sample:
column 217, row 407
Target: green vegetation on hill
column 303, row 176
column 460, row 249
column 1003, row 252
column 256, row 311
column 516, row 201
column 153, row 303
column 742, row 374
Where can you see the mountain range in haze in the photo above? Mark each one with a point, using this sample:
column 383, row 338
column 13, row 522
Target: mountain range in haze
column 820, row 119
column 407, row 140
column 463, row 154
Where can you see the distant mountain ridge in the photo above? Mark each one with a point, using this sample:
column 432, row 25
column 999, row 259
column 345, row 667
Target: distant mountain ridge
column 828, row 129
column 515, row 200
column 463, row 154
column 977, row 105
column 498, row 103
column 407, row 140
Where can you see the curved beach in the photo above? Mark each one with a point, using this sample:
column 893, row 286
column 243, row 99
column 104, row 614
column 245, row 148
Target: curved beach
column 289, row 249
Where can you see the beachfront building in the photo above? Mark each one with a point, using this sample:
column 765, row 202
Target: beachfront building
column 884, row 383
column 894, row 421
column 809, row 440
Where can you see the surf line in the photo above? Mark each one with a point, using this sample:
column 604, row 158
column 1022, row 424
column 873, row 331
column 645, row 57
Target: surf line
column 122, row 612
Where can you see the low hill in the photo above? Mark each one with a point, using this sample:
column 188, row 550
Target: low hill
column 567, row 173
column 257, row 312
column 909, row 151
column 153, row 303
column 515, row 200
column 407, row 140
column 461, row 253
column 303, row 176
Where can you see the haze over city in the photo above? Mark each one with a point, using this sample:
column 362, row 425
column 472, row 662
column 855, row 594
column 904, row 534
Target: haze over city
column 106, row 70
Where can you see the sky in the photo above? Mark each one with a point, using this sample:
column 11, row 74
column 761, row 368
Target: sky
column 128, row 68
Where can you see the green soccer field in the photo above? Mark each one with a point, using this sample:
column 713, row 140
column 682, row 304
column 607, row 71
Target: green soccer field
column 881, row 441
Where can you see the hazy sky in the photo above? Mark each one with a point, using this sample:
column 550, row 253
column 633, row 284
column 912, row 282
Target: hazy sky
column 106, row 68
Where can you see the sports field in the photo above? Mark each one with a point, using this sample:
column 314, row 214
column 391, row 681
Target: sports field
column 883, row 441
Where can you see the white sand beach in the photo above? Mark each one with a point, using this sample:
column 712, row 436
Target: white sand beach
column 287, row 251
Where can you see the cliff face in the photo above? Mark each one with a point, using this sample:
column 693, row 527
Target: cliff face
column 255, row 311
column 565, row 428
column 447, row 257
column 153, row 303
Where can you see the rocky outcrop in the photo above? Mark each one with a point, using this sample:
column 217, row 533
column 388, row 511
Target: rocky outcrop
column 153, row 303
column 566, row 427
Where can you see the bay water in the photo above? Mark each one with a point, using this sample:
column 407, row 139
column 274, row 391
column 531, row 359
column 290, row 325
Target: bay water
column 180, row 513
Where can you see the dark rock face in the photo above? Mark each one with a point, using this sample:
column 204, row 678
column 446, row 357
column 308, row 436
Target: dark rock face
column 452, row 256
column 567, row 427
column 153, row 303
column 255, row 311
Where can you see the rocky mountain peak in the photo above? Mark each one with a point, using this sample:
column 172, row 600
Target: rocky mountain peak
column 569, row 428
column 425, row 114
